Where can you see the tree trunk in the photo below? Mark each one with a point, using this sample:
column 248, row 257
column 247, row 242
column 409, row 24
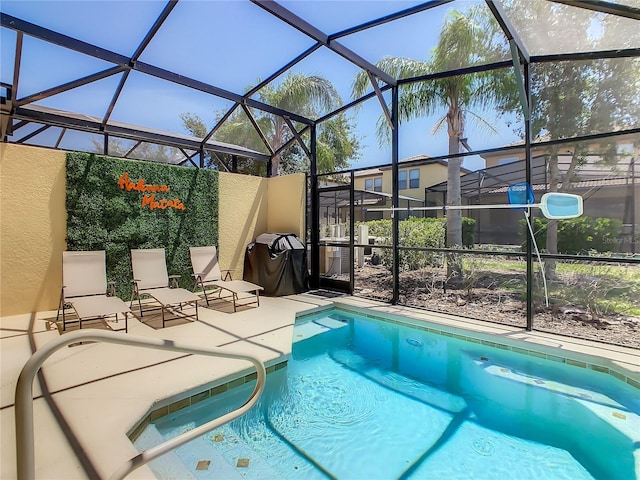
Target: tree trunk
column 454, row 197
column 276, row 143
column 275, row 166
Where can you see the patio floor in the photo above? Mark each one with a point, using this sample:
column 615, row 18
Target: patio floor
column 88, row 397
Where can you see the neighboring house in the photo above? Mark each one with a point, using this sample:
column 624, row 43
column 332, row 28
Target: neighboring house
column 414, row 175
column 611, row 189
column 608, row 192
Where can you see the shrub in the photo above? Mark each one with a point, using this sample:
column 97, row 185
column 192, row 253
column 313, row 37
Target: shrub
column 379, row 228
column 579, row 235
column 417, row 232
column 468, row 231
column 420, row 232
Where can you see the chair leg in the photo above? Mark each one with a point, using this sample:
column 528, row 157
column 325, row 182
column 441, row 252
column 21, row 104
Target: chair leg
column 136, row 294
column 206, row 297
column 61, row 306
column 199, row 284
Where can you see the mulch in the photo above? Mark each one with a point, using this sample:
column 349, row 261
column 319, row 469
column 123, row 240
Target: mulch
column 424, row 289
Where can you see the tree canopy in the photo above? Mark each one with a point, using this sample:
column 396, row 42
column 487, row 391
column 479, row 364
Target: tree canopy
column 467, row 38
column 313, row 96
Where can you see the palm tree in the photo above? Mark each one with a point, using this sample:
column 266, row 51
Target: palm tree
column 308, row 95
column 466, row 39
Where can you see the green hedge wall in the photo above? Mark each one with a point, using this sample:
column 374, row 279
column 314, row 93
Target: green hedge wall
column 103, row 216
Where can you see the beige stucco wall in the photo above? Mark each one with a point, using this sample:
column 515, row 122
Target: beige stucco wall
column 33, row 222
column 250, row 206
column 32, row 228
column 432, row 175
column 242, row 214
column 287, row 199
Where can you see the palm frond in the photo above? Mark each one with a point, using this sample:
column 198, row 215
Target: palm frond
column 439, row 125
column 480, row 123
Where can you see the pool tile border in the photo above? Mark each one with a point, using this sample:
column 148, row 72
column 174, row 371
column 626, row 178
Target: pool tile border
column 185, row 402
column 419, row 324
column 160, row 412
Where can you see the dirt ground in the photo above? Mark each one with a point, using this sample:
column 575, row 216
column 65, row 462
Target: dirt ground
column 423, row 289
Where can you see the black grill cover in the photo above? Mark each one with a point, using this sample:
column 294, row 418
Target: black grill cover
column 278, row 263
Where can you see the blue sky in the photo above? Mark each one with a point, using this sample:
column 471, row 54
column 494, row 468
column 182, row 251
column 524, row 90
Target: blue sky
column 230, row 44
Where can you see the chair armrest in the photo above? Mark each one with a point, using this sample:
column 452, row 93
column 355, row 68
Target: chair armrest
column 112, row 289
column 227, row 276
column 173, row 280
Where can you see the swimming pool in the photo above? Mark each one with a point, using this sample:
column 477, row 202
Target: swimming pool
column 363, row 398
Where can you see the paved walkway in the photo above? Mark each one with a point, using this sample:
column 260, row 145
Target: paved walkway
column 90, row 396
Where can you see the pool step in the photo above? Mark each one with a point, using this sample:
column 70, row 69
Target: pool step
column 599, row 404
column 311, row 328
column 231, row 458
column 598, row 424
column 168, row 465
column 215, row 455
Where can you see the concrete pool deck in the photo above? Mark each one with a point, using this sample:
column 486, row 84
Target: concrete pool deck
column 88, row 398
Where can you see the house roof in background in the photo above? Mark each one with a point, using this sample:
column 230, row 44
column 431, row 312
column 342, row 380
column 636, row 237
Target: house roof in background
column 593, row 173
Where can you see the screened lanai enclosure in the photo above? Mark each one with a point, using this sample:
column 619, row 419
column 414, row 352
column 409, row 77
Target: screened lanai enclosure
column 412, row 120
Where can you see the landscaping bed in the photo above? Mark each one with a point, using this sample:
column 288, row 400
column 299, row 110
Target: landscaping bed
column 487, row 300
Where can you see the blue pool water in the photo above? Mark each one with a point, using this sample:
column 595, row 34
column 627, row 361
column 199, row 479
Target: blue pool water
column 366, row 399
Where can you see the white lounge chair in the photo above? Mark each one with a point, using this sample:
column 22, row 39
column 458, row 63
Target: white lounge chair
column 150, row 279
column 207, row 274
column 206, row 269
column 84, row 289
